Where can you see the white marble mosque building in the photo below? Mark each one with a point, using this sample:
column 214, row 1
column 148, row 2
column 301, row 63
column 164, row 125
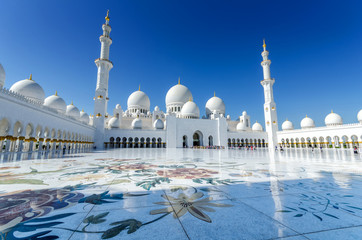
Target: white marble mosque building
column 29, row 121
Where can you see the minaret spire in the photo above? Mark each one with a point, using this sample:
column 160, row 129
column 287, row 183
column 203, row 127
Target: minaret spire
column 104, row 65
column 270, row 112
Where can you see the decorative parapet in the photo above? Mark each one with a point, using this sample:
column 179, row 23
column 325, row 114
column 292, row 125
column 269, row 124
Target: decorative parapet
column 6, row 93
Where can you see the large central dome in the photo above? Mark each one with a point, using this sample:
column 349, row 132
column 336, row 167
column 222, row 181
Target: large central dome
column 178, row 95
column 138, row 100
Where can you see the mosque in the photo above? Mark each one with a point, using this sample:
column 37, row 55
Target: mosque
column 29, row 121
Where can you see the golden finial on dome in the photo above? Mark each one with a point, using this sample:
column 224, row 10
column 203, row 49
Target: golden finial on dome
column 107, row 17
column 190, row 99
column 31, row 77
column 332, row 111
column 306, row 116
column 214, row 94
column 264, row 45
column 82, row 109
column 71, row 103
column 178, row 80
column 56, row 93
column 139, row 87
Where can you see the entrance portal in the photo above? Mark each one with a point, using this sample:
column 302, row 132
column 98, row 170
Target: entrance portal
column 197, row 139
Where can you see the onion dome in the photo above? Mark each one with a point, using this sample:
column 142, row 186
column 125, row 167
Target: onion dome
column 215, row 104
column 84, row 117
column 359, row 116
column 139, row 100
column 333, row 119
column 72, row 111
column 137, row 123
column 287, row 125
column 241, row 126
column 257, row 127
column 56, row 102
column 2, row 76
column 190, row 110
column 29, row 89
column 307, row 123
column 158, row 124
column 114, row 122
column 177, row 96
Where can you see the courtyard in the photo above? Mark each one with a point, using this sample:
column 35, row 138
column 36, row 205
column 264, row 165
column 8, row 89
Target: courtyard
column 183, row 194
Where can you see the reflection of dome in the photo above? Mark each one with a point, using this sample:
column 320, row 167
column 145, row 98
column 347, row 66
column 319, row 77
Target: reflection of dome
column 307, row 123
column 190, row 110
column 29, row 89
column 287, row 125
column 2, row 76
column 84, row 117
column 215, row 104
column 178, row 95
column 158, row 124
column 114, row 122
column 333, row 119
column 359, row 116
column 257, row 127
column 72, row 111
column 137, row 123
column 139, row 100
column 241, row 126
column 56, row 102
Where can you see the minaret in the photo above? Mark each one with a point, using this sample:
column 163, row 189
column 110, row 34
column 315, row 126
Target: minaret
column 101, row 94
column 270, row 111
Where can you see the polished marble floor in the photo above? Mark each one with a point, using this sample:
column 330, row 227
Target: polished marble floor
column 183, row 194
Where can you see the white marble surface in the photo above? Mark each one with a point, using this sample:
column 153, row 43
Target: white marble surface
column 184, row 194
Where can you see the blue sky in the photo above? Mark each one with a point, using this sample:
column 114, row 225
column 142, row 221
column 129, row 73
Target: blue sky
column 315, row 48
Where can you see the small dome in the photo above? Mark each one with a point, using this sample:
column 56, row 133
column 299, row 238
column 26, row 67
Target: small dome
column 56, row 102
column 244, row 113
column 2, row 76
column 138, row 100
column 72, row 111
column 241, row 127
column 178, row 95
column 287, row 125
column 118, row 106
column 84, row 117
column 307, row 123
column 359, row 116
column 157, row 109
column 158, row 124
column 215, row 104
column 228, row 117
column 137, row 123
column 29, row 89
column 114, row 122
column 257, row 127
column 190, row 110
column 333, row 119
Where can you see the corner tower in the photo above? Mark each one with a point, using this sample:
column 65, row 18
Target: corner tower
column 270, row 111
column 104, row 65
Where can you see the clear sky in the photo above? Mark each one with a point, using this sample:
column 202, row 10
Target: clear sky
column 315, row 49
